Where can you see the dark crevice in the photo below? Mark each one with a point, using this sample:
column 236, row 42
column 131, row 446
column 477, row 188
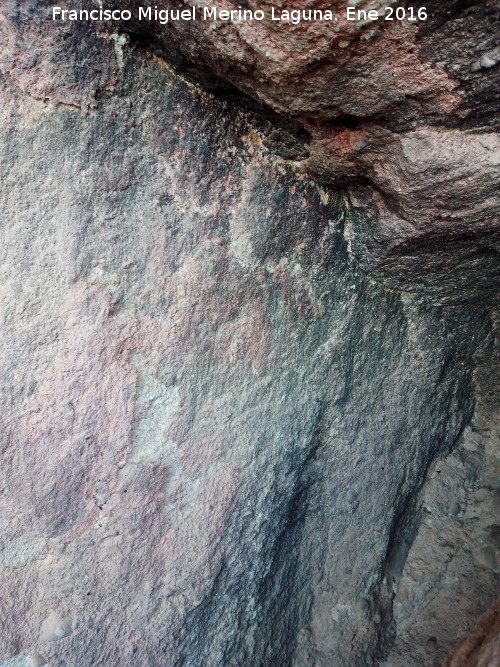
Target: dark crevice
column 449, row 10
column 427, row 243
column 225, row 91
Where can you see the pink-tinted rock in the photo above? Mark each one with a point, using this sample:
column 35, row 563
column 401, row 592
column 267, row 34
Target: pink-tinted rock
column 62, row 65
column 481, row 648
column 390, row 105
column 215, row 427
column 406, row 108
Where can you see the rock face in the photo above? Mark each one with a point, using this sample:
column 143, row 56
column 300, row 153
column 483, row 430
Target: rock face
column 403, row 113
column 216, row 427
column 451, row 571
column 407, row 108
column 482, row 645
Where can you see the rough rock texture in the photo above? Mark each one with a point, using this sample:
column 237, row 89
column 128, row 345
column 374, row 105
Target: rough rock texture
column 217, row 429
column 57, row 63
column 481, row 647
column 406, row 108
column 403, row 113
column 451, row 572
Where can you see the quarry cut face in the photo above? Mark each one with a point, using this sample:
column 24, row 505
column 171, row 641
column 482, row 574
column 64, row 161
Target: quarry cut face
column 214, row 426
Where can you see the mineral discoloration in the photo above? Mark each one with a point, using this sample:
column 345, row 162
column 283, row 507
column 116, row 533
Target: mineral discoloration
column 216, row 427
column 482, row 645
column 64, row 65
column 405, row 110
column 451, row 573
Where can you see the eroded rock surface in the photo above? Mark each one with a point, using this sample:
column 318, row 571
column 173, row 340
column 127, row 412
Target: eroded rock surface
column 405, row 110
column 216, row 427
column 408, row 108
column 481, row 647
column 64, row 64
column 451, row 573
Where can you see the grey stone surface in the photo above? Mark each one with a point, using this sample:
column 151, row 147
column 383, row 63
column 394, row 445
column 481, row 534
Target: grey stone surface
column 215, row 426
column 401, row 113
column 451, row 574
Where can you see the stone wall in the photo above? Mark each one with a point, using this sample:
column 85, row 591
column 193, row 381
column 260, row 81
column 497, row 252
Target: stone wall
column 221, row 427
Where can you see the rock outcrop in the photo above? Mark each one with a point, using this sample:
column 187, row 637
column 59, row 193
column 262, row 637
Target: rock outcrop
column 451, row 571
column 402, row 112
column 407, row 108
column 227, row 370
